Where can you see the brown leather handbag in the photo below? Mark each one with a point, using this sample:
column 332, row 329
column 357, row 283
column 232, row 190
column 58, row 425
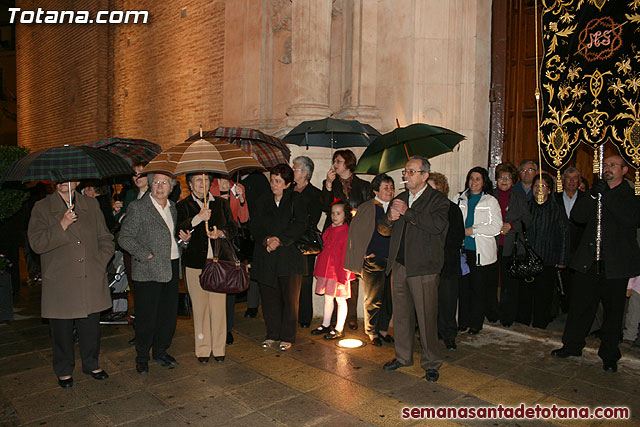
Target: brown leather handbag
column 225, row 277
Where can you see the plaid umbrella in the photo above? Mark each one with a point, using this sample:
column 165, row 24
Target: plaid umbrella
column 202, row 156
column 266, row 149
column 392, row 150
column 132, row 150
column 67, row 163
column 332, row 133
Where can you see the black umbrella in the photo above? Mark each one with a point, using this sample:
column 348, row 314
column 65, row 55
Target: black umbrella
column 332, row 133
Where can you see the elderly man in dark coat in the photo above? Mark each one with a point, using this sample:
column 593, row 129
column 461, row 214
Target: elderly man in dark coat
column 74, row 246
column 417, row 221
column 149, row 234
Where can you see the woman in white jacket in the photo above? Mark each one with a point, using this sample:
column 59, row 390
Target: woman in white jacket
column 482, row 221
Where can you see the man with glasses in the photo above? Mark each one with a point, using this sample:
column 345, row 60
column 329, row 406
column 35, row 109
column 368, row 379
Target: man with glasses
column 527, row 171
column 417, row 221
column 149, row 234
column 604, row 281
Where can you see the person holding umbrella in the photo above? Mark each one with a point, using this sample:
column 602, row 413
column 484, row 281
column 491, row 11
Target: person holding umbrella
column 148, row 233
column 341, row 183
column 68, row 230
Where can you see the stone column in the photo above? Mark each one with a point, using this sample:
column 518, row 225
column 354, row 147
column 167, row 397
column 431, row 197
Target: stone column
column 360, row 48
column 310, row 45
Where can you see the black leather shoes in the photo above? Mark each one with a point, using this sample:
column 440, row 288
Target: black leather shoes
column 375, row 341
column 251, row 313
column 320, row 330
column 142, row 367
column 353, row 325
column 610, row 366
column 229, row 338
column 132, row 341
column 451, row 345
column 218, row 359
column 203, row 360
column 462, row 328
column 68, row 383
column 562, row 353
column 393, row 365
column 432, row 375
column 100, row 375
column 334, row 335
column 305, row 325
column 387, row 338
column 473, row 331
column 166, row 360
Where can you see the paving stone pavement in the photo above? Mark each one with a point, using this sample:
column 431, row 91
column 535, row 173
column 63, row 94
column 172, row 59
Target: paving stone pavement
column 315, row 383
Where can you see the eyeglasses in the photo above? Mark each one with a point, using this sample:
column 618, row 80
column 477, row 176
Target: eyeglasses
column 541, row 185
column 160, row 183
column 297, row 169
column 610, row 165
column 338, row 161
column 505, row 178
column 527, row 170
column 410, row 172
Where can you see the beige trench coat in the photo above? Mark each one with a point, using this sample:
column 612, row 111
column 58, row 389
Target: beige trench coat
column 74, row 262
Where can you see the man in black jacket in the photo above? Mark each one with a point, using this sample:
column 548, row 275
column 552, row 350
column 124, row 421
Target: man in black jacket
column 605, row 281
column 417, row 221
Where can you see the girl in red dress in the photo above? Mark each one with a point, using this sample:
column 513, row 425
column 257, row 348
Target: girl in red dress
column 332, row 279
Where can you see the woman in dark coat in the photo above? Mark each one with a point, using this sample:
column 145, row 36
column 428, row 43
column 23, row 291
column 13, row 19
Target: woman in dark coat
column 549, row 237
column 515, row 212
column 342, row 184
column 281, row 219
column 209, row 311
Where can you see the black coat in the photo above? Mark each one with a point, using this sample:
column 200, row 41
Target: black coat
column 195, row 255
column 620, row 221
column 360, row 193
column 453, row 243
column 312, row 197
column 517, row 214
column 549, row 232
column 575, row 229
column 255, row 185
column 287, row 222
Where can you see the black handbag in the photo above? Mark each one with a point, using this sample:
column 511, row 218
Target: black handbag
column 225, row 277
column 311, row 242
column 527, row 265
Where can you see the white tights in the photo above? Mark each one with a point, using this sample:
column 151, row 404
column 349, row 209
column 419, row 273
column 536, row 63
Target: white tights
column 328, row 311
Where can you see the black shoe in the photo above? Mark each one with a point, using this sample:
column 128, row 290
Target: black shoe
column 562, row 353
column 451, row 345
column 203, row 360
column 387, row 338
column 375, row 341
column 304, row 325
column 320, row 330
column 432, row 375
column 251, row 313
column 353, row 325
column 229, row 338
column 142, row 367
column 473, row 331
column 218, row 359
column 507, row 324
column 68, row 383
column 100, row 375
column 334, row 335
column 166, row 360
column 462, row 328
column 610, row 366
column 132, row 341
column 393, row 365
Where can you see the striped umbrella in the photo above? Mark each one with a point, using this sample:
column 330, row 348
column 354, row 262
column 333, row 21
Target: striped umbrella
column 132, row 150
column 266, row 149
column 201, row 155
column 67, row 163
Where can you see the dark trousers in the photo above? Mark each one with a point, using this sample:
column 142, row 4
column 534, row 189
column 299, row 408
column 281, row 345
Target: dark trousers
column 473, row 292
column 416, row 299
column 535, row 299
column 305, row 311
column 63, row 349
column 378, row 306
column 509, row 288
column 352, row 303
column 447, row 305
column 231, row 311
column 280, row 307
column 156, row 314
column 592, row 290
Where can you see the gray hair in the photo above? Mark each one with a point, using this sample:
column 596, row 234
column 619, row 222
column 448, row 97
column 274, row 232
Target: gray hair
column 526, row 162
column 306, row 165
column 569, row 170
column 152, row 175
column 426, row 165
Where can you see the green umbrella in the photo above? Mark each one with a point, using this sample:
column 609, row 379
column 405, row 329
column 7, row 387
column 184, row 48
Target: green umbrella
column 392, row 150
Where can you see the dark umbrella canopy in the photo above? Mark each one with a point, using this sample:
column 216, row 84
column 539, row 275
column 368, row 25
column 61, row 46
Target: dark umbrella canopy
column 392, row 150
column 132, row 150
column 67, row 163
column 332, row 133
